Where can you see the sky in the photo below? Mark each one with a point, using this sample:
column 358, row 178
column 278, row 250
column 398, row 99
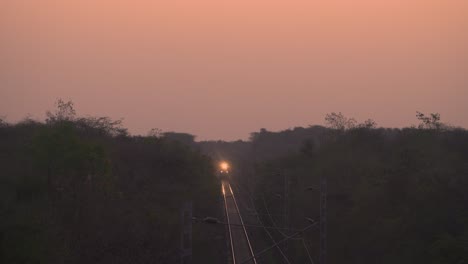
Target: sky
column 221, row 69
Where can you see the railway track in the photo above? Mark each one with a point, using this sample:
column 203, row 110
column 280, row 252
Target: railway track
column 241, row 249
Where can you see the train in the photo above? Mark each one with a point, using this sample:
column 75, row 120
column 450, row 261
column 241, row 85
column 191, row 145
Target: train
column 224, row 171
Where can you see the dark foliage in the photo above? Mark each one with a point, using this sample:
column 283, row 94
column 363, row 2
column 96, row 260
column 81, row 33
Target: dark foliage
column 80, row 190
column 394, row 196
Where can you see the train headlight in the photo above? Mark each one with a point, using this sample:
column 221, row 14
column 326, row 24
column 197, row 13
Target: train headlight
column 224, row 165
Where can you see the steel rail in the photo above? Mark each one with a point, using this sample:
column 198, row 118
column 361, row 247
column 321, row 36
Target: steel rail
column 229, row 224
column 253, row 258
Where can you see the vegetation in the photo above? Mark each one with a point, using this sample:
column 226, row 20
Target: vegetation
column 81, row 190
column 394, row 195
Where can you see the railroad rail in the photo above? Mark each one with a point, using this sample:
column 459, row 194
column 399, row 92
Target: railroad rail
column 241, row 249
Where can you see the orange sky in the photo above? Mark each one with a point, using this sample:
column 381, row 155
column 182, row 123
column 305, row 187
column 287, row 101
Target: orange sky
column 221, row 69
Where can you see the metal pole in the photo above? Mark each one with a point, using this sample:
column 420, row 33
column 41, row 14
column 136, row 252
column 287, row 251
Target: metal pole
column 286, row 206
column 323, row 219
column 186, row 234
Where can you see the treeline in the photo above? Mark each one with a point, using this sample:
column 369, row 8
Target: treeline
column 394, row 195
column 81, row 190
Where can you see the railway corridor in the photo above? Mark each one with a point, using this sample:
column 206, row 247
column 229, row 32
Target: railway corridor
column 241, row 249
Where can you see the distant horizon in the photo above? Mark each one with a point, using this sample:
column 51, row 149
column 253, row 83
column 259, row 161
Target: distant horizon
column 246, row 138
column 222, row 69
column 138, row 115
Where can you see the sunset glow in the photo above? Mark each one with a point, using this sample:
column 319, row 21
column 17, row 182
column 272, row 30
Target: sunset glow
column 167, row 63
column 337, row 131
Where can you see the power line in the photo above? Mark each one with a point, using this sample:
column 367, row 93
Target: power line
column 283, row 234
column 307, row 250
column 275, row 226
column 271, row 218
column 216, row 221
column 261, row 222
column 279, row 242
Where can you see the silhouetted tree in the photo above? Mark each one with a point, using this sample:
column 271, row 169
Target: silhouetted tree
column 64, row 111
column 3, row 123
column 339, row 121
column 81, row 190
column 369, row 123
column 185, row 138
column 430, row 122
column 155, row 132
column 103, row 125
column 395, row 196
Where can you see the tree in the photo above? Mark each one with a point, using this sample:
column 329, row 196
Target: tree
column 339, row 121
column 369, row 123
column 429, row 122
column 64, row 112
column 180, row 137
column 3, row 123
column 155, row 132
column 308, row 147
column 104, row 125
column 67, row 160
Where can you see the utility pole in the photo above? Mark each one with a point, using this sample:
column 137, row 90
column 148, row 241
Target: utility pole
column 186, row 234
column 287, row 204
column 323, row 219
